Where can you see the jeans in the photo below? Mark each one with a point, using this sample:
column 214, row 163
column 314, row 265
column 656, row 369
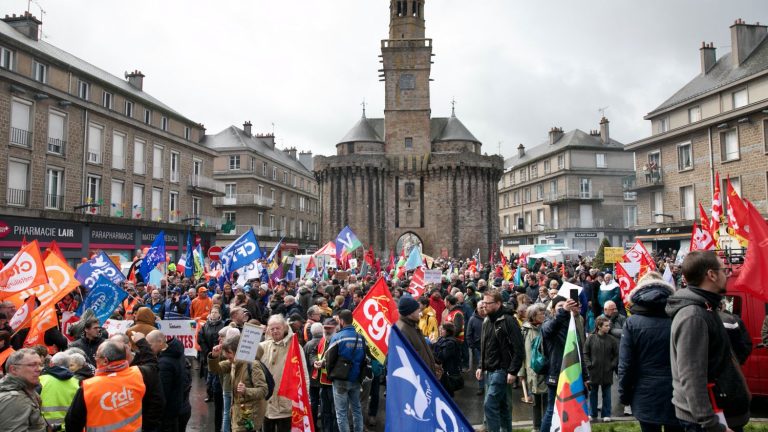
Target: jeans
column 373, row 405
column 651, row 427
column 346, row 394
column 546, row 422
column 498, row 412
column 226, row 411
column 476, row 365
column 606, row 390
column 327, row 411
column 314, row 402
column 539, row 407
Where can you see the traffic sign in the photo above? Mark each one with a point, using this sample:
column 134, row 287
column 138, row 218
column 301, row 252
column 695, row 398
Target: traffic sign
column 214, row 253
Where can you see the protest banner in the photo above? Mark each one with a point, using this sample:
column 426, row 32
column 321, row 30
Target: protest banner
column 111, row 326
column 249, row 342
column 183, row 330
column 433, row 277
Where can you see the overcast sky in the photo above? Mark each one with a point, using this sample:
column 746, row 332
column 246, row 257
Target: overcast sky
column 515, row 68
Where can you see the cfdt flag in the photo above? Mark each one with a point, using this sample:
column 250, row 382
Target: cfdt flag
column 293, row 386
column 346, row 242
column 241, row 252
column 374, row 317
column 103, row 299
column 154, row 256
column 415, row 400
column 188, row 259
column 571, row 401
column 100, row 265
column 25, row 270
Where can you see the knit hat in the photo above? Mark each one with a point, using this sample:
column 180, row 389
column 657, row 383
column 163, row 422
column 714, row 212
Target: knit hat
column 407, row 305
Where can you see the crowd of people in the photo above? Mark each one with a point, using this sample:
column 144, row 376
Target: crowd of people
column 511, row 335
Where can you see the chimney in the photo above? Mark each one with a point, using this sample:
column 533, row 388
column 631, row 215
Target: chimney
column 292, row 152
column 604, row 135
column 554, row 134
column 305, row 158
column 708, row 57
column 521, row 150
column 26, row 24
column 247, row 128
column 135, row 79
column 268, row 139
column 744, row 39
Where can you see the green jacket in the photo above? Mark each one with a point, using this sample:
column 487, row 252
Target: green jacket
column 23, row 403
column 59, row 388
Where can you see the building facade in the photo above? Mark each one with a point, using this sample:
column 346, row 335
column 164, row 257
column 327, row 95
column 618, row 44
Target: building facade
column 90, row 159
column 716, row 123
column 567, row 191
column 272, row 191
column 408, row 178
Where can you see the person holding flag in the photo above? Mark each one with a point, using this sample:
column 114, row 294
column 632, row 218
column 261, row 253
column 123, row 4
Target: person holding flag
column 408, row 323
column 346, row 364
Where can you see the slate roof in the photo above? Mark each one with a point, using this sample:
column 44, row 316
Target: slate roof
column 6, row 31
column 720, row 75
column 234, row 137
column 441, row 129
column 571, row 139
column 364, row 131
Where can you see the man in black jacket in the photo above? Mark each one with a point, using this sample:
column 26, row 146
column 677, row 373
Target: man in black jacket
column 172, row 366
column 501, row 356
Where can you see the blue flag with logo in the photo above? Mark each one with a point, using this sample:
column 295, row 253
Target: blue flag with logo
column 104, row 298
column 155, row 255
column 241, row 252
column 274, row 251
column 100, row 265
column 188, row 260
column 415, row 399
column 346, row 241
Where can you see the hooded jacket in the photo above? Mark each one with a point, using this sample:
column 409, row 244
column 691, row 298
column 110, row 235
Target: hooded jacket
column 21, row 407
column 701, row 353
column 58, row 389
column 172, row 366
column 144, row 322
column 645, row 372
column 88, row 346
column 501, row 342
column 153, row 402
column 209, row 335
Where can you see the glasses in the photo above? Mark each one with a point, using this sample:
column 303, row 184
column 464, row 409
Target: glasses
column 726, row 270
column 32, row 365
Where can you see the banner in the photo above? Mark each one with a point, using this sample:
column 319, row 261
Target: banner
column 373, row 318
column 103, row 299
column 433, row 277
column 26, row 269
column 240, row 253
column 88, row 273
column 249, row 342
column 114, row 326
column 183, row 330
column 416, row 288
column 612, row 254
column 294, row 386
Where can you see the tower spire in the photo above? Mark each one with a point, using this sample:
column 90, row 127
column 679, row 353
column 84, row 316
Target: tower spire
column 453, row 107
column 363, row 104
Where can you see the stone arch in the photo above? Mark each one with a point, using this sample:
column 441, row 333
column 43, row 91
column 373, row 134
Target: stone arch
column 409, row 239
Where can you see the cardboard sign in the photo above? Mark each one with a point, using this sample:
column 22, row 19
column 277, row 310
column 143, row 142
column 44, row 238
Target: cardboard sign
column 116, row 326
column 183, row 330
column 341, row 275
column 433, row 277
column 613, row 254
column 249, row 342
column 565, row 290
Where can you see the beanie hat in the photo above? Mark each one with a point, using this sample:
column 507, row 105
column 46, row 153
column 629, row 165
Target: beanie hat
column 407, row 305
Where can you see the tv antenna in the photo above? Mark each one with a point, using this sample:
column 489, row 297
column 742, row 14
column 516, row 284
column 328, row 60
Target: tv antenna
column 602, row 111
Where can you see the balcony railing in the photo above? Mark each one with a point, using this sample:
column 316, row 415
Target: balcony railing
column 244, row 200
column 646, row 182
column 260, row 231
column 202, row 221
column 54, row 202
column 207, row 183
column 17, row 197
column 94, row 158
column 57, row 146
column 565, row 196
column 235, row 171
column 21, row 137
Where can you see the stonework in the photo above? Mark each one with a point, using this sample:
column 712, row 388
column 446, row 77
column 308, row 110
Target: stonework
column 408, row 172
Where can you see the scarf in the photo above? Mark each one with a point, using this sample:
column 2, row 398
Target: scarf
column 115, row 366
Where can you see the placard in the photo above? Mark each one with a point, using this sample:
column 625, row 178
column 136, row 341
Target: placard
column 183, row 330
column 249, row 342
column 613, row 254
column 116, row 326
column 433, row 277
column 341, row 275
column 565, row 290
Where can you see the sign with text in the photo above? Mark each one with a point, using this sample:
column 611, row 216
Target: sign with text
column 183, row 330
column 249, row 342
column 374, row 317
column 433, row 277
column 108, row 234
column 38, row 229
column 612, row 254
column 113, row 326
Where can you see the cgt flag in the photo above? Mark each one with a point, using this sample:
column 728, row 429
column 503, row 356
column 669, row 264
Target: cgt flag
column 626, row 283
column 373, row 318
column 88, row 273
column 25, row 270
column 103, row 299
column 293, row 386
column 155, row 255
column 415, row 400
column 571, row 401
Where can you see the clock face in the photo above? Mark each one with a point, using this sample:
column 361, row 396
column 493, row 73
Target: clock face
column 407, row 82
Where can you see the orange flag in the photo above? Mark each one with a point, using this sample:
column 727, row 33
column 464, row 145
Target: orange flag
column 294, row 386
column 61, row 281
column 41, row 322
column 25, row 270
column 23, row 315
column 738, row 217
column 4, row 356
column 373, row 318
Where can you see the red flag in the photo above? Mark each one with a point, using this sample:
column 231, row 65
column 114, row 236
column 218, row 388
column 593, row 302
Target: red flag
column 391, row 264
column 755, row 266
column 311, row 264
column 738, row 218
column 717, row 210
column 377, row 265
column 626, row 283
column 25, row 270
column 294, row 386
column 701, row 239
column 638, row 253
column 705, row 223
column 370, row 257
column 23, row 315
column 416, row 288
column 53, row 248
column 503, row 260
column 43, row 320
column 374, row 317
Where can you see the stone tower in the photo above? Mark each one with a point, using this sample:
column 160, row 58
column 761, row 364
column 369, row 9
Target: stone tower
column 409, row 178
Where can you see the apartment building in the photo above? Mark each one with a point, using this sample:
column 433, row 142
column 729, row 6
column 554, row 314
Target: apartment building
column 90, row 159
column 270, row 190
column 717, row 122
column 567, row 191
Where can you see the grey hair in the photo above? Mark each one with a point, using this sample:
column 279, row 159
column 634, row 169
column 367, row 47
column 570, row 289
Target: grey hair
column 277, row 318
column 289, row 297
column 312, row 309
column 223, row 331
column 232, row 332
column 61, row 359
column 113, row 351
column 316, row 329
column 17, row 357
column 122, row 337
column 534, row 309
column 230, row 344
column 76, row 358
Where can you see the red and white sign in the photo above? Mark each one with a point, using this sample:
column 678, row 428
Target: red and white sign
column 214, row 253
column 4, row 229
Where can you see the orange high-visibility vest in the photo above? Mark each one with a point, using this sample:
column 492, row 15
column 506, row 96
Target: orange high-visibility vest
column 323, row 372
column 113, row 401
column 451, row 317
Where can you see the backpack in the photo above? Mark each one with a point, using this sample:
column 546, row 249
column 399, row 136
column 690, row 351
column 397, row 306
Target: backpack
column 267, row 377
column 539, row 362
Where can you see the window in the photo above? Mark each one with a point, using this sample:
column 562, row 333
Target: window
column 527, row 196
column 630, row 216
column 729, row 145
column 94, row 143
column 515, row 197
column 272, row 195
column 522, row 173
column 148, row 116
column 230, row 192
column 197, row 170
column 264, row 169
column 694, row 114
column 118, row 150
column 528, row 221
column 234, row 162
column 740, row 98
column 6, row 58
column 540, row 219
column 157, row 162
column 175, row 166
column 511, row 179
column 765, row 135
column 274, row 173
column 410, row 190
column 600, row 160
column 164, row 123
column 687, row 205
column 229, row 216
column 653, row 173
column 409, row 143
column 657, row 206
column 534, row 171
column 116, row 199
column 40, row 72
column 505, row 224
column 553, row 189
column 260, row 192
column 53, row 194
column 260, row 219
column 663, row 124
column 20, row 121
column 93, row 191
column 196, row 206
column 282, row 199
column 283, row 225
column 539, row 191
column 129, row 109
column 560, row 161
column 285, row 177
column 157, row 203
column 506, row 200
column 546, row 166
column 173, row 207
column 554, row 216
column 137, row 205
column 627, row 184
column 294, row 181
column 138, row 157
column 684, row 157
column 18, row 183
column 106, row 100
column 271, row 223
column 585, row 188
column 56, row 140
column 83, row 90
column 187, row 132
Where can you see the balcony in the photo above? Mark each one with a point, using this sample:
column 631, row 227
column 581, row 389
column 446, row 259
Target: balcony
column 55, row 202
column 17, row 197
column 56, row 146
column 646, row 182
column 235, row 172
column 205, row 186
column 260, row 231
column 243, row 200
column 21, row 137
column 556, row 198
column 201, row 221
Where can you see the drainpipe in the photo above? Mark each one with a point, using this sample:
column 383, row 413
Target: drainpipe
column 85, row 152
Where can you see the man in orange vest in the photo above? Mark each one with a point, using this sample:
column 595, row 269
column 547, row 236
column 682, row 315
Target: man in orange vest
column 111, row 400
column 201, row 305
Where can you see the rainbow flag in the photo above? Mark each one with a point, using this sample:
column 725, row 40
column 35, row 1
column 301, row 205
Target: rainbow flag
column 571, row 413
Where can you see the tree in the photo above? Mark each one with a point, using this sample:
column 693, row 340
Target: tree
column 598, row 261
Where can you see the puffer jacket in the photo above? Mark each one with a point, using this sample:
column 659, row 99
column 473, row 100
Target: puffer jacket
column 209, row 335
column 255, row 392
column 21, row 406
column 350, row 345
column 537, row 383
column 273, row 354
column 645, row 373
column 144, row 322
column 448, row 354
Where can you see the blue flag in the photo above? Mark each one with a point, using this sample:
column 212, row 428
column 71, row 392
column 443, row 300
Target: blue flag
column 274, row 251
column 154, row 256
column 415, row 399
column 241, row 252
column 414, row 259
column 346, row 241
column 100, row 265
column 104, row 298
column 291, row 275
column 188, row 261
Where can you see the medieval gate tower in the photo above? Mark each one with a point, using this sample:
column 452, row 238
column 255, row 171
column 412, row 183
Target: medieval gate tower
column 409, row 178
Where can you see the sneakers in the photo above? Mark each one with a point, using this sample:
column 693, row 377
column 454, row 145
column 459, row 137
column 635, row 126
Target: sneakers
column 606, row 419
column 627, row 410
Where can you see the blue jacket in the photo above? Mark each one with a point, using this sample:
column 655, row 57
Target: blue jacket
column 348, row 344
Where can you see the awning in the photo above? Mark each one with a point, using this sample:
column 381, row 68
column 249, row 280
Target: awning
column 657, row 237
